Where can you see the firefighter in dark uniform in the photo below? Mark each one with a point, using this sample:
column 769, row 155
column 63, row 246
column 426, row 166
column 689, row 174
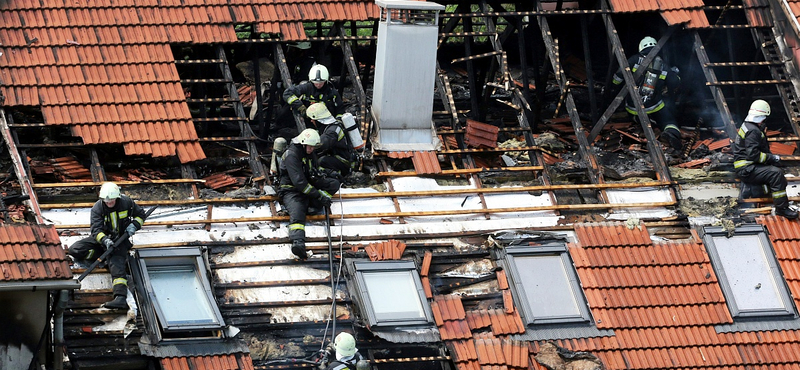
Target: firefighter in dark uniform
column 318, row 89
column 303, row 185
column 346, row 354
column 336, row 152
column 755, row 166
column 111, row 217
column 651, row 87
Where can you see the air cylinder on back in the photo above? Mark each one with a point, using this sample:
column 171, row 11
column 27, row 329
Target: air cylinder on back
column 351, row 128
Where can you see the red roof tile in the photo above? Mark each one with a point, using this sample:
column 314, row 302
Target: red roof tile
column 478, row 319
column 662, row 300
column 481, row 134
column 389, row 250
column 400, row 155
column 103, row 67
column 426, row 163
column 426, row 263
column 31, row 252
column 780, row 228
column 238, row 361
column 611, row 234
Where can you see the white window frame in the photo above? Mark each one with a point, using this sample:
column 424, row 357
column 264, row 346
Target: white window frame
column 509, row 262
column 768, row 253
column 177, row 256
column 359, row 268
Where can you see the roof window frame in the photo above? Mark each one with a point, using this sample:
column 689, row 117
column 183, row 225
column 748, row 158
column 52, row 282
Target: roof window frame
column 508, row 259
column 144, row 261
column 768, row 252
column 359, row 267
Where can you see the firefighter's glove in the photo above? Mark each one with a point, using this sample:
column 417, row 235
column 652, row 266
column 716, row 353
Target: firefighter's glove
column 131, row 229
column 324, row 198
column 107, row 242
column 774, row 159
column 302, row 110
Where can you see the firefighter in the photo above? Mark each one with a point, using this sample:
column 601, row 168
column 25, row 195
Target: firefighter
column 113, row 216
column 755, row 166
column 303, row 185
column 651, row 85
column 318, row 89
column 336, row 152
column 346, row 353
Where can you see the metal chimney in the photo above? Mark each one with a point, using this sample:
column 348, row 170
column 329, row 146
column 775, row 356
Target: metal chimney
column 405, row 76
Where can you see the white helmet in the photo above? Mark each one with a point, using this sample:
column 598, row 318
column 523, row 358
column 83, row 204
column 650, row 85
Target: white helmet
column 309, row 136
column 318, row 73
column 109, row 191
column 345, row 345
column 319, row 112
column 647, row 42
column 759, row 108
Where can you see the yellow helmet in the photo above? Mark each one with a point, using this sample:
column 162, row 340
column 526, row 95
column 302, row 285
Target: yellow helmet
column 309, row 136
column 320, row 112
column 759, row 108
column 109, row 191
column 647, row 42
column 318, row 73
column 345, row 345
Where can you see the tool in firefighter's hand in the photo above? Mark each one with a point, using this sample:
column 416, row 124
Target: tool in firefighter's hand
column 108, row 251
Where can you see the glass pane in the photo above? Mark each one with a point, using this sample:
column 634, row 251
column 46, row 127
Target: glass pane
column 393, row 295
column 180, row 295
column 748, row 271
column 547, row 287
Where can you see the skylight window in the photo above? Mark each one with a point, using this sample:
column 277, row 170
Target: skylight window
column 390, row 293
column 176, row 286
column 748, row 272
column 545, row 285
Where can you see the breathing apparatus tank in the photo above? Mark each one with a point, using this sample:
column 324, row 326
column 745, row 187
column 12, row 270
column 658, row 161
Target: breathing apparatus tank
column 351, row 128
column 650, row 80
column 278, row 147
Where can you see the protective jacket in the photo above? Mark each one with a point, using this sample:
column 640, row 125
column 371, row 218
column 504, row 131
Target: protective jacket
column 749, row 148
column 345, row 364
column 297, row 168
column 307, row 93
column 336, row 151
column 665, row 78
column 300, row 186
column 753, row 163
column 112, row 221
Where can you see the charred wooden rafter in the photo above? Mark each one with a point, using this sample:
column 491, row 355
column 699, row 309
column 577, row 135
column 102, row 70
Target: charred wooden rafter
column 716, row 91
column 656, row 154
column 593, row 168
column 623, row 93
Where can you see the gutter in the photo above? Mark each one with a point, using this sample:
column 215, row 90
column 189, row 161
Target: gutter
column 40, row 285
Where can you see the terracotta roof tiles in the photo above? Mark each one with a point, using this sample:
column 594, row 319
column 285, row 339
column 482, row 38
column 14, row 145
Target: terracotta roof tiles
column 426, row 162
column 389, row 250
column 238, row 361
column 663, row 300
column 688, row 12
column 611, row 234
column 108, row 65
column 31, row 252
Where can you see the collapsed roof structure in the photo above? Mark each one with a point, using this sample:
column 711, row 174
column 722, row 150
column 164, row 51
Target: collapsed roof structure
column 520, row 220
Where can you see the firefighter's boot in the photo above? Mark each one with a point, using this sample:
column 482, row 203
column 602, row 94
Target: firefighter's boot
column 118, row 302
column 782, row 208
